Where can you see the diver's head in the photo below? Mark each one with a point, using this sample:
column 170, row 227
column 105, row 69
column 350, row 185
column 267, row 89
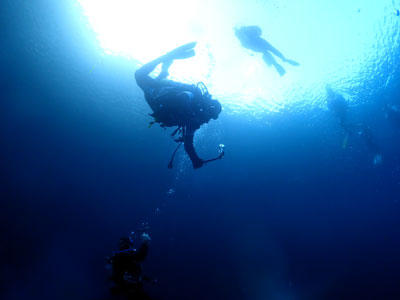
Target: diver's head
column 214, row 109
column 209, row 106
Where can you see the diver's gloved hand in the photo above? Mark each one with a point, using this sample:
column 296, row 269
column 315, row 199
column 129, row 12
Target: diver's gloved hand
column 197, row 163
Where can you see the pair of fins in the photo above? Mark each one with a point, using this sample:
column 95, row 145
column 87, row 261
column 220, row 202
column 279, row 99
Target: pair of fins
column 182, row 52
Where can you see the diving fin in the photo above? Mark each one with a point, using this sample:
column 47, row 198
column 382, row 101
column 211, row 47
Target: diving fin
column 280, row 69
column 169, row 60
column 187, row 54
column 182, row 52
column 292, row 62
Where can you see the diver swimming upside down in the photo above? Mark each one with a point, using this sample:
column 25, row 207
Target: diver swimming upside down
column 186, row 106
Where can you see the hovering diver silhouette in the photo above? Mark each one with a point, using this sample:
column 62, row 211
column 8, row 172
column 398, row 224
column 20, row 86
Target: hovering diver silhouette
column 126, row 267
column 250, row 38
column 339, row 106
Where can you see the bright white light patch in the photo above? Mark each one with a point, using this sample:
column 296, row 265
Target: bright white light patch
column 348, row 44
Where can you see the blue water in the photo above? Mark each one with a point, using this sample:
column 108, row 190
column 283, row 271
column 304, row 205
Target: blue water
column 288, row 213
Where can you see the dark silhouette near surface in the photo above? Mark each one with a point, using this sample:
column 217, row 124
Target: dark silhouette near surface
column 126, row 267
column 250, row 38
column 186, row 106
column 339, row 106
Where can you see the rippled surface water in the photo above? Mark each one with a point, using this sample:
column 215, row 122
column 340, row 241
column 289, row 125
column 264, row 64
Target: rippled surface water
column 351, row 45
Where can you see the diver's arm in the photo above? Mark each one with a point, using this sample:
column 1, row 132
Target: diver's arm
column 146, row 69
column 189, row 148
column 143, row 78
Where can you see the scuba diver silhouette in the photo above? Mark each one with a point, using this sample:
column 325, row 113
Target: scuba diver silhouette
column 250, row 38
column 177, row 104
column 339, row 106
column 126, row 266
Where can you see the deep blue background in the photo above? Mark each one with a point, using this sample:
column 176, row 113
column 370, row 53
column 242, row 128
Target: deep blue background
column 287, row 214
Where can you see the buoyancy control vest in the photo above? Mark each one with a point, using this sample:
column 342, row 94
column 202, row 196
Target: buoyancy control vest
column 176, row 106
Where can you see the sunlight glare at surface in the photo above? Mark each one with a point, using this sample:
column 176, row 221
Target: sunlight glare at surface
column 349, row 44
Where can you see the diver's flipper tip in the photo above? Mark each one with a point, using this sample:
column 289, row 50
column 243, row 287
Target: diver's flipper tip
column 182, row 52
column 187, row 54
column 280, row 70
column 292, row 62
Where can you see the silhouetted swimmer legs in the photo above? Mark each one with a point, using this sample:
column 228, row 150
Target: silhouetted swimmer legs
column 270, row 60
column 142, row 75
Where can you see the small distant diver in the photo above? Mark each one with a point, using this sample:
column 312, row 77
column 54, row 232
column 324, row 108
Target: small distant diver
column 392, row 113
column 126, row 267
column 186, row 106
column 339, row 106
column 250, row 38
column 397, row 12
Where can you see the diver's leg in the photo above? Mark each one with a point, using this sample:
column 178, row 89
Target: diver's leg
column 164, row 71
column 292, row 62
column 277, row 53
column 182, row 52
column 142, row 75
column 270, row 60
